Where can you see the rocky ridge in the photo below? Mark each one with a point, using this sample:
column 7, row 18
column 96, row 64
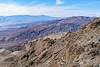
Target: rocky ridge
column 77, row 49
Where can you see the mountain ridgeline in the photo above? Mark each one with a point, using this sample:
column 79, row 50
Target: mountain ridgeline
column 70, row 24
column 15, row 35
column 74, row 49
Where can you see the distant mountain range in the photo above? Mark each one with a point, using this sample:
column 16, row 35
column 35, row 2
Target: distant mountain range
column 70, row 24
column 20, row 19
column 9, row 24
column 19, row 33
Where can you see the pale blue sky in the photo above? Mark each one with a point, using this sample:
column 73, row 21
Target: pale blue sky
column 57, row 8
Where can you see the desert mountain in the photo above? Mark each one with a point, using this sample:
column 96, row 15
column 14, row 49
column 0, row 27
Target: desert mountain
column 31, row 31
column 75, row 49
column 10, row 24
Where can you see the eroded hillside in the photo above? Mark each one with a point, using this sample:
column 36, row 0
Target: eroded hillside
column 77, row 49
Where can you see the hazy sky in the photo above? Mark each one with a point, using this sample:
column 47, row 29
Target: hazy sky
column 58, row 8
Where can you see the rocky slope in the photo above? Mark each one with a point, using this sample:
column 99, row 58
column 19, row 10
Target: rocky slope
column 77, row 49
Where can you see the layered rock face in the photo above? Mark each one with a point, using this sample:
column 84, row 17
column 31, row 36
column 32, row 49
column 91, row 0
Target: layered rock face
column 77, row 49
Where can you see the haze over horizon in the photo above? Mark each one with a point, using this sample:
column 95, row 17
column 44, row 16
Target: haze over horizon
column 55, row 8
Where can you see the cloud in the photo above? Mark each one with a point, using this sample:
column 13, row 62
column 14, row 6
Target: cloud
column 59, row 2
column 40, row 9
column 43, row 9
